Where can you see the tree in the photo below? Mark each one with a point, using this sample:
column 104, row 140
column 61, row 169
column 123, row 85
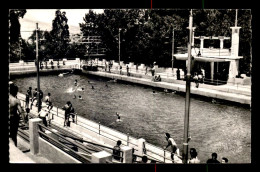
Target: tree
column 14, row 33
column 146, row 35
column 59, row 36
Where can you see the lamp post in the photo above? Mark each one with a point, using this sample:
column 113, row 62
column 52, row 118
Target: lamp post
column 187, row 99
column 119, row 46
column 37, row 66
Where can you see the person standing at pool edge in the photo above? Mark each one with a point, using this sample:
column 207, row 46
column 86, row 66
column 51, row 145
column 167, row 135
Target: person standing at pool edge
column 48, row 101
column 14, row 117
column 67, row 107
column 172, row 144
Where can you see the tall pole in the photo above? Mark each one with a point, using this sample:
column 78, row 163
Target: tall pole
column 187, row 100
column 172, row 47
column 119, row 47
column 37, row 66
column 236, row 19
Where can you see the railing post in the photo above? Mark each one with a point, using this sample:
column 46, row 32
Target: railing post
column 164, row 155
column 101, row 157
column 76, row 118
column 99, row 128
column 34, row 135
column 127, row 139
column 127, row 154
column 57, row 111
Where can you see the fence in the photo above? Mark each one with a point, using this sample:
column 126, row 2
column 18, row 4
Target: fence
column 110, row 134
column 74, row 137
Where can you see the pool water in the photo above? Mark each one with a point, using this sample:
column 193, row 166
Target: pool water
column 220, row 127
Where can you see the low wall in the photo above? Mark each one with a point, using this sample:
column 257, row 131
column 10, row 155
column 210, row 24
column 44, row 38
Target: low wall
column 54, row 154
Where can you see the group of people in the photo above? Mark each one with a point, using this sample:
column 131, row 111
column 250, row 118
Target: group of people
column 51, row 63
column 33, row 95
column 193, row 153
column 174, row 152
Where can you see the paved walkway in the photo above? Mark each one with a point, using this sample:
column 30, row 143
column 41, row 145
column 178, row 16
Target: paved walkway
column 225, row 92
column 17, row 156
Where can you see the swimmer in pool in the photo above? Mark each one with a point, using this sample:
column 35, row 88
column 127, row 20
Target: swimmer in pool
column 92, row 87
column 74, row 97
column 80, row 97
column 118, row 117
column 81, row 89
column 76, row 82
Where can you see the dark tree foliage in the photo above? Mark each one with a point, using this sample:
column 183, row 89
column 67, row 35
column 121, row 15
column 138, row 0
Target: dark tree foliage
column 14, row 33
column 59, row 36
column 146, row 35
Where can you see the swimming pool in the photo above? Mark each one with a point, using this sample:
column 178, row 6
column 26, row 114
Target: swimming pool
column 222, row 128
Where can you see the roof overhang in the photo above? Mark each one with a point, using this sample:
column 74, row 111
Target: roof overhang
column 208, row 58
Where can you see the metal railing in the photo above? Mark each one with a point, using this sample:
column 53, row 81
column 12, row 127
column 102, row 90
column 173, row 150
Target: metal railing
column 90, row 128
column 63, row 133
column 98, row 130
column 160, row 155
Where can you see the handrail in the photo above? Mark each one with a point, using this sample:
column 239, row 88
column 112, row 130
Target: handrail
column 163, row 156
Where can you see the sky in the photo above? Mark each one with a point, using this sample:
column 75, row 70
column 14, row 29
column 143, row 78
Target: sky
column 44, row 19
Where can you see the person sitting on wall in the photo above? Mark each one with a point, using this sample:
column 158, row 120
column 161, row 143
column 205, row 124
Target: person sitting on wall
column 157, row 78
column 196, row 80
column 199, row 54
column 116, row 151
column 127, row 70
column 46, row 64
column 213, row 159
column 193, row 157
column 178, row 74
column 200, row 78
column 52, row 65
column 144, row 160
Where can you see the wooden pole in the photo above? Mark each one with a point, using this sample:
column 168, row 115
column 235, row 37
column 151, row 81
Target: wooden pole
column 37, row 66
column 187, row 100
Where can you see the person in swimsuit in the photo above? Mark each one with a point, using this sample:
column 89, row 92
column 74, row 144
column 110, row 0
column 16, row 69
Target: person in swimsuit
column 15, row 110
column 172, row 144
